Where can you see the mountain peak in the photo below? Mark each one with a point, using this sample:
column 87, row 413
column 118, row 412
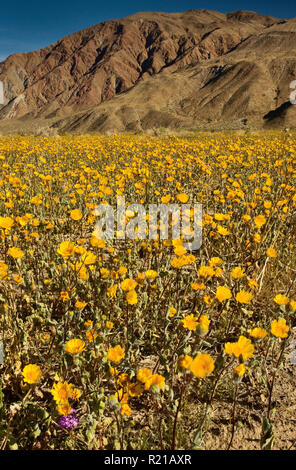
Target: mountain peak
column 224, row 66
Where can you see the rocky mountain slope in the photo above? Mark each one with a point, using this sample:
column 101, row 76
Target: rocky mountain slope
column 197, row 69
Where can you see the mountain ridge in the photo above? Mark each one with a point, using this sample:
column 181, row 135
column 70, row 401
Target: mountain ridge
column 195, row 69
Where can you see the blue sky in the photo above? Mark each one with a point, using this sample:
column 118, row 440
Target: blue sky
column 33, row 24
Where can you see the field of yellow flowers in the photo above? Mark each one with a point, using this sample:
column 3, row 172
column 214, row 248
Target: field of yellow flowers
column 133, row 344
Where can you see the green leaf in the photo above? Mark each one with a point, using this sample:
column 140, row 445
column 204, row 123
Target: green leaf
column 267, row 436
column 116, row 445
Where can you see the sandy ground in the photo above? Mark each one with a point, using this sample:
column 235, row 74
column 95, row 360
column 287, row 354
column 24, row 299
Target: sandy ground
column 249, row 417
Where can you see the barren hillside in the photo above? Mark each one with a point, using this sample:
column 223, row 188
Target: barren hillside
column 197, row 69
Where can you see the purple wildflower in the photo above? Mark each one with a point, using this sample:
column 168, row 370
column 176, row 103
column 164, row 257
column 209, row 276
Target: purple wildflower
column 68, row 422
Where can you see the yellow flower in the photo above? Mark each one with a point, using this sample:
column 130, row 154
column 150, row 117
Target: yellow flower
column 88, row 258
column 279, row 328
column 259, row 221
column 185, row 361
column 239, row 371
column 155, row 379
column 121, row 271
column 252, row 283
column 271, row 253
column 151, row 274
column 17, row 278
column 109, row 325
column 91, row 334
column 129, row 213
column 80, row 305
column 144, row 374
column 198, row 286
column 165, row 199
column 182, row 197
column 202, row 365
column 205, row 271
column 45, row 337
column 223, row 293
column 97, row 242
column 15, row 252
column 22, row 221
column 104, row 273
column 64, row 408
column 131, row 297
column 215, row 261
column 3, row 270
column 222, row 230
column 172, row 311
column 177, row 242
column 281, row 299
column 177, row 262
column 111, row 291
column 76, row 214
column 125, row 409
column 258, row 333
column 6, row 222
column 115, row 354
column 113, row 371
column 218, row 272
column 140, row 279
column 243, row 348
column 79, row 250
column 203, row 325
column 228, row 348
column 293, row 305
column 123, row 379
column 36, row 200
column 75, row 346
column 83, row 274
column 237, row 273
column 128, row 284
column 180, row 250
column 218, row 216
column 76, row 394
column 244, row 297
column 61, row 392
column 64, row 296
column 257, row 238
column 66, row 249
column 32, row 373
column 207, row 299
column 190, row 322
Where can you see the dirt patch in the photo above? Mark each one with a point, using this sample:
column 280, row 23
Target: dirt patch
column 250, row 411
